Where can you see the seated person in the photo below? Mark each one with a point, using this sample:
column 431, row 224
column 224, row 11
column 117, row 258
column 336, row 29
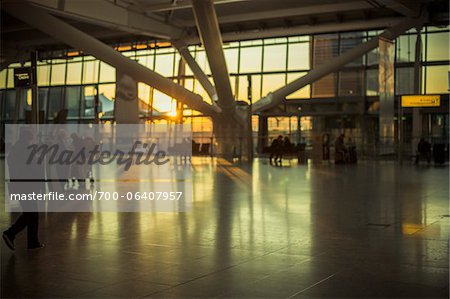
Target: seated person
column 423, row 151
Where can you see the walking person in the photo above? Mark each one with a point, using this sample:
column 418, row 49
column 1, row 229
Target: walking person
column 23, row 181
column 276, row 150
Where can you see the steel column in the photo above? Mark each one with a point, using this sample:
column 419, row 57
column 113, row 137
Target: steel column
column 195, row 68
column 208, row 27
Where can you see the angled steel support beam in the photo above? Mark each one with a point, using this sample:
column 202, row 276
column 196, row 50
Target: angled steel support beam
column 198, row 72
column 105, row 13
column 275, row 98
column 70, row 35
column 208, row 27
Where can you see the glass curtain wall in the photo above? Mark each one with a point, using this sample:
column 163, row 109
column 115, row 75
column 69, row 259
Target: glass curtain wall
column 256, row 68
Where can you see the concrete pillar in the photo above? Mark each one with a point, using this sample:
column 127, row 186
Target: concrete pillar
column 386, row 131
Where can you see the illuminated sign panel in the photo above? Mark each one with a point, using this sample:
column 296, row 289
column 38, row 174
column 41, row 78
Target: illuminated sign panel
column 22, row 76
column 421, row 101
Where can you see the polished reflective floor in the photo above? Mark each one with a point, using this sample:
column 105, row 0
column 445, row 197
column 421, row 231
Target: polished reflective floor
column 373, row 230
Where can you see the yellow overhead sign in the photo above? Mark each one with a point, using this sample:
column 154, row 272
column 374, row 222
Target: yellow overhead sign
column 421, row 101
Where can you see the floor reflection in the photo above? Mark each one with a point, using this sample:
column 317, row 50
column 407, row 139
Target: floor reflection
column 368, row 230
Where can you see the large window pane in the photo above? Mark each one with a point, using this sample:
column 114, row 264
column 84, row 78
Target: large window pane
column 250, row 60
column 58, row 74
column 302, row 93
column 106, row 96
column 72, row 101
column 107, row 73
column 43, row 75
column 231, row 56
column 279, row 126
column 349, row 41
column 325, row 48
column 55, row 101
column 144, row 92
column 202, row 129
column 303, row 38
column 87, row 102
column 438, row 46
column 164, row 65
column 437, row 79
column 372, row 82
column 351, row 83
column 299, row 57
column 272, row 83
column 242, row 90
column 189, row 84
column 325, row 87
column 74, row 73
column 406, row 48
column 372, row 57
column 10, row 79
column 146, row 61
column 256, row 87
column 90, row 72
column 144, row 95
column 275, row 58
column 43, row 98
column 3, row 79
column 161, row 102
column 404, row 80
column 10, row 105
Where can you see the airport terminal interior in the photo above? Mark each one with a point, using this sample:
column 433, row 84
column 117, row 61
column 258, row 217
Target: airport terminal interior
column 316, row 164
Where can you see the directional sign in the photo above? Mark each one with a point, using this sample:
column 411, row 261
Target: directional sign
column 22, row 77
column 421, row 101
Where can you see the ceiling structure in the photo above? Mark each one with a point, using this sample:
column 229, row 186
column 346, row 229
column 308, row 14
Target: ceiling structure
column 131, row 21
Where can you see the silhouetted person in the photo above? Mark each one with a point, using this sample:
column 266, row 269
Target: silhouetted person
column 340, row 150
column 23, row 178
column 276, row 150
column 287, row 145
column 423, row 150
